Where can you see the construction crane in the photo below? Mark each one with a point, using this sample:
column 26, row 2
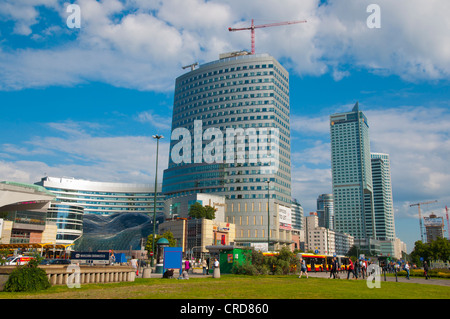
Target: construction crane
column 253, row 27
column 420, row 214
column 192, row 66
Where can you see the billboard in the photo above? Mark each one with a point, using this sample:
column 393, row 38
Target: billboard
column 285, row 217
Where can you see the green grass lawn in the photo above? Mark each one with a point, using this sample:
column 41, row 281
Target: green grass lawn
column 240, row 287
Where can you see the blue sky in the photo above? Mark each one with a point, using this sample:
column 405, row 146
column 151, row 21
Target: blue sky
column 84, row 102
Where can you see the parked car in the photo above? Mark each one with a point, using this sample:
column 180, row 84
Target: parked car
column 18, row 260
column 55, row 262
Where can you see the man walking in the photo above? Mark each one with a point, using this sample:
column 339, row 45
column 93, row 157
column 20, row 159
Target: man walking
column 351, row 269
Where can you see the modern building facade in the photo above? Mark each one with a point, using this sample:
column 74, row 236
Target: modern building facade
column 352, row 176
column 325, row 210
column 382, row 194
column 76, row 197
column 231, row 137
column 23, row 216
column 105, row 198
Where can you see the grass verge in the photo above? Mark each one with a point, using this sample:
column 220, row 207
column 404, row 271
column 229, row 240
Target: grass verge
column 240, row 287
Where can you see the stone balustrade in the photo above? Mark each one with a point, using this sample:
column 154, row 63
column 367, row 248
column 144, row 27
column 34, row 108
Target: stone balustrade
column 59, row 274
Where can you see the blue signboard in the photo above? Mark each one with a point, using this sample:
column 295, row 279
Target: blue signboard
column 173, row 257
column 78, row 255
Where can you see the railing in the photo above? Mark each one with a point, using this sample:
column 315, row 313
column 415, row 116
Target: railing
column 59, row 274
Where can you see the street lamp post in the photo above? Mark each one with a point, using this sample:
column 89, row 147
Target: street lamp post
column 157, row 137
column 268, row 214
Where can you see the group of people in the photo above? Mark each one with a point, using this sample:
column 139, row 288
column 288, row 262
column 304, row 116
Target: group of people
column 359, row 268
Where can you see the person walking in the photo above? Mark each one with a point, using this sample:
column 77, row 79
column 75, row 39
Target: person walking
column 333, row 271
column 187, row 265
column 425, row 270
column 204, row 265
column 303, row 268
column 351, row 269
column 407, row 270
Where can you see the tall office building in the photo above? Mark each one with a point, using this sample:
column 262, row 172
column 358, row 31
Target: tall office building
column 325, row 210
column 382, row 196
column 352, row 176
column 230, row 137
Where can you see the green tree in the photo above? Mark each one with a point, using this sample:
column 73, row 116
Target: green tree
column 167, row 235
column 198, row 211
column 438, row 249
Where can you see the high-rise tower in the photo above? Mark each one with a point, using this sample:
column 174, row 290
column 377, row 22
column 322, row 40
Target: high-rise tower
column 231, row 137
column 382, row 194
column 352, row 175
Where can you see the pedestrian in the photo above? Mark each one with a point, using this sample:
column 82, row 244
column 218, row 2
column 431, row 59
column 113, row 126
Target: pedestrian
column 333, row 268
column 187, row 265
column 425, row 270
column 407, row 270
column 204, row 265
column 351, row 269
column 303, row 268
column 216, row 271
column 363, row 268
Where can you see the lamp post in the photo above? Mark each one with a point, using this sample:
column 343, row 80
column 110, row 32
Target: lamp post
column 157, row 137
column 268, row 214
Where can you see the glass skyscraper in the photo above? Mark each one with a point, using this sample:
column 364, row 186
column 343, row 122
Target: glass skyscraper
column 352, row 175
column 382, row 195
column 325, row 210
column 230, row 137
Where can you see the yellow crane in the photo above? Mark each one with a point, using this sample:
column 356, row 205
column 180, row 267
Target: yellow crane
column 420, row 214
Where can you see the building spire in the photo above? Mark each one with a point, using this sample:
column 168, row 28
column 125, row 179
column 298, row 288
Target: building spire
column 356, row 107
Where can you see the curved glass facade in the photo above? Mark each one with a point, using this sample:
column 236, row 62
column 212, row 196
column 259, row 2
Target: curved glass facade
column 69, row 221
column 76, row 199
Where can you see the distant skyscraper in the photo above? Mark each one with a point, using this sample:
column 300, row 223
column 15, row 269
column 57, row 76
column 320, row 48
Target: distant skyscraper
column 230, row 136
column 382, row 197
column 352, row 175
column 434, row 227
column 325, row 210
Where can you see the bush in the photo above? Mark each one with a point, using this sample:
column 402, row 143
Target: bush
column 285, row 262
column 27, row 278
column 436, row 273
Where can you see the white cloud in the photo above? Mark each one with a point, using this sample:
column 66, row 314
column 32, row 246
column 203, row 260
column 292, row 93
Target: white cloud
column 143, row 44
column 81, row 155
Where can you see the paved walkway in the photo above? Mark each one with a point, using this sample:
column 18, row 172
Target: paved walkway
column 416, row 280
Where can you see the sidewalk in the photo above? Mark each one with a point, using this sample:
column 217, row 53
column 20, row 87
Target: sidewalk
column 390, row 277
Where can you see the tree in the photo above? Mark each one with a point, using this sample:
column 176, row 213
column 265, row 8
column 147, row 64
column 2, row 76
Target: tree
column 167, row 235
column 438, row 249
column 197, row 210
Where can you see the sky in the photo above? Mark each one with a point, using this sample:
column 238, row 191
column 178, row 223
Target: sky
column 84, row 100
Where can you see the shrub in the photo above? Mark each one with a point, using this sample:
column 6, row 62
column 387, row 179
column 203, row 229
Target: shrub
column 27, row 278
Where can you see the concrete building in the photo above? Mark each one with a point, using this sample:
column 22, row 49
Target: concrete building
column 23, row 216
column 322, row 240
column 434, row 227
column 231, row 137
